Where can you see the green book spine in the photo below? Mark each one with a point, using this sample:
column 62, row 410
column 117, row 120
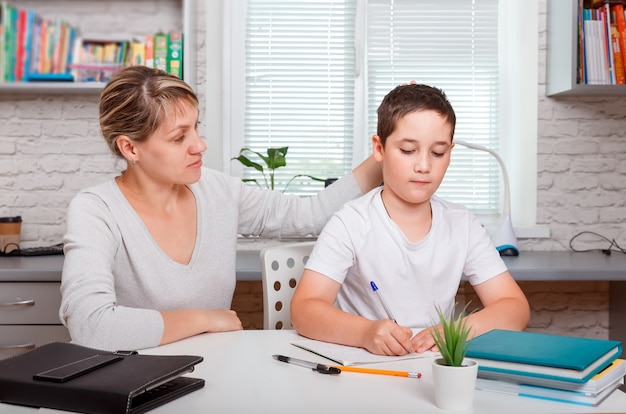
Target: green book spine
column 175, row 54
column 160, row 51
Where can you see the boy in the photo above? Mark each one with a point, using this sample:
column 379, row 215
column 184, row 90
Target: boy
column 411, row 244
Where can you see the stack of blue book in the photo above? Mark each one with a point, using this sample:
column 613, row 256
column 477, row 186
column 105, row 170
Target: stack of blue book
column 556, row 367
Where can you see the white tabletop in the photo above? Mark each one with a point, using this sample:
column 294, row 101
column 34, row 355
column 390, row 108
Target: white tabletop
column 242, row 377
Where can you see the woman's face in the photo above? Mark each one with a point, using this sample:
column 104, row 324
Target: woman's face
column 173, row 153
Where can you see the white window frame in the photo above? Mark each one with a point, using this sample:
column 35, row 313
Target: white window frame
column 519, row 64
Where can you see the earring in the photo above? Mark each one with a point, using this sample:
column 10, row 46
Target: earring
column 132, row 162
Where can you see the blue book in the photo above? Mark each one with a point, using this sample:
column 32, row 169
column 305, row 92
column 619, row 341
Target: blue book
column 566, row 358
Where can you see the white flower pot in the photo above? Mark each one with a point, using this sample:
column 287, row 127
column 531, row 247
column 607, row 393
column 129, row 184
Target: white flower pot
column 454, row 386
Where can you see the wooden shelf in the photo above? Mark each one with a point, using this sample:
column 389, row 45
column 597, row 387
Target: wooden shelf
column 94, row 88
column 87, row 88
column 562, row 54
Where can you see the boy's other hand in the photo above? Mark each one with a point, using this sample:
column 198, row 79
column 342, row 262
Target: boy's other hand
column 423, row 340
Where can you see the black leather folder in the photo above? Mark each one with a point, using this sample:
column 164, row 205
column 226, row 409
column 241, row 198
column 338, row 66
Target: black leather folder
column 71, row 377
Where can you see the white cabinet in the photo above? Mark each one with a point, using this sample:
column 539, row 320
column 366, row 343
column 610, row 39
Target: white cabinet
column 562, row 54
column 188, row 26
column 29, row 316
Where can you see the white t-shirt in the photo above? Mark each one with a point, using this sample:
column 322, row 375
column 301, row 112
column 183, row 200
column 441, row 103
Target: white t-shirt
column 361, row 244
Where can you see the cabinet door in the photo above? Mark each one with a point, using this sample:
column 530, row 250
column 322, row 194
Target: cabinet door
column 15, row 339
column 29, row 303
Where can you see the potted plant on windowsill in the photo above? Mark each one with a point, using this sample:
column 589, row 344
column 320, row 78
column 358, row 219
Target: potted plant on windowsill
column 275, row 158
column 454, row 376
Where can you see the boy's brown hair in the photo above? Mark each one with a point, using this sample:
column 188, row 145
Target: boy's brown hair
column 405, row 99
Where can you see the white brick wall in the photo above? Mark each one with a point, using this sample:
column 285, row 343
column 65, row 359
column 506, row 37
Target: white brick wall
column 581, row 161
column 50, row 147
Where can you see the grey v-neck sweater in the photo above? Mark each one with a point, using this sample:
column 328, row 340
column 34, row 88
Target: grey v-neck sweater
column 116, row 279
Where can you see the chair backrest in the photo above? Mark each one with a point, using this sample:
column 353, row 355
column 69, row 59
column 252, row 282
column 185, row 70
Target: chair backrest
column 281, row 269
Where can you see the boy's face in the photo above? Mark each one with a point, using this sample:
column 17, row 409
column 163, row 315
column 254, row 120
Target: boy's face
column 415, row 156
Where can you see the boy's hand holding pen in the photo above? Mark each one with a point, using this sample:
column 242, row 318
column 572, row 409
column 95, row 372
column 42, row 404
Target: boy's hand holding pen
column 405, row 343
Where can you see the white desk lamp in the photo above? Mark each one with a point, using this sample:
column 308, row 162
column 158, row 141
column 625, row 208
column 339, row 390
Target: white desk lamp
column 504, row 236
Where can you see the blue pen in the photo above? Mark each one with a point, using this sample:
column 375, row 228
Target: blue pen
column 382, row 300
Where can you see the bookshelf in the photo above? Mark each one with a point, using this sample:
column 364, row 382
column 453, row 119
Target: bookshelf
column 562, row 54
column 188, row 26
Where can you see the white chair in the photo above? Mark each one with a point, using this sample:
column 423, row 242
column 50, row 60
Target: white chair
column 281, row 269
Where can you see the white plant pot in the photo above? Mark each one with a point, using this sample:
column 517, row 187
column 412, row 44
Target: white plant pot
column 454, row 386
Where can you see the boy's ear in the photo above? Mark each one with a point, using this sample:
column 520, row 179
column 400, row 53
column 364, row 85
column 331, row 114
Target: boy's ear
column 377, row 148
column 127, row 147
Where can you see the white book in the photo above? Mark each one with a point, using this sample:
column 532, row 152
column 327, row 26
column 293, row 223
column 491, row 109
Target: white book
column 545, row 393
column 602, row 380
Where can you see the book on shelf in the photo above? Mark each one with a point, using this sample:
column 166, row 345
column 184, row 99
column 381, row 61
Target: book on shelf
column 605, row 18
column 160, row 51
column 20, row 47
column 617, row 10
column 96, row 60
column 175, row 54
column 602, row 51
column 33, row 47
column 561, row 357
column 9, row 21
column 36, row 48
column 2, row 56
column 149, row 51
column 616, row 47
column 137, row 53
column 595, row 49
column 553, row 394
column 610, row 375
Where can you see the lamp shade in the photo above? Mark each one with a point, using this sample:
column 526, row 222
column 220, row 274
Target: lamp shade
column 504, row 236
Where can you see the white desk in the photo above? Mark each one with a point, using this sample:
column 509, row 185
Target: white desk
column 242, row 377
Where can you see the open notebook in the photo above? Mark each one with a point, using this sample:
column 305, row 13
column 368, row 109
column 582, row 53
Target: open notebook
column 350, row 355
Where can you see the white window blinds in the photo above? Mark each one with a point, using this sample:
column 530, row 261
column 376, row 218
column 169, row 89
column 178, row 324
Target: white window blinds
column 300, row 87
column 452, row 45
column 302, row 82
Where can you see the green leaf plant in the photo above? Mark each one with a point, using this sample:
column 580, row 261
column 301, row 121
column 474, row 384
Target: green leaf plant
column 275, row 158
column 454, row 341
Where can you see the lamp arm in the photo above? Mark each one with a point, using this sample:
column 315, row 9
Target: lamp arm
column 507, row 198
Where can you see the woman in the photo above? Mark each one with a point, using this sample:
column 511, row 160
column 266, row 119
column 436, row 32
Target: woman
column 150, row 254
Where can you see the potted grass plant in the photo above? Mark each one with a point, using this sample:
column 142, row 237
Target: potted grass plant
column 454, row 376
column 275, row 158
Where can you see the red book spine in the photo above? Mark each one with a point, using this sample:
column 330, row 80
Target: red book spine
column 620, row 21
column 618, row 62
column 20, row 44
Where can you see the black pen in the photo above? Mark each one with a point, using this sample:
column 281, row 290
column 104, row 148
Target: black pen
column 321, row 368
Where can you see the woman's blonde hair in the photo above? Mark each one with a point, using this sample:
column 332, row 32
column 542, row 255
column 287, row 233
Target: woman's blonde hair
column 134, row 101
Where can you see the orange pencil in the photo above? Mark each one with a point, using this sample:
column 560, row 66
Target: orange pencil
column 381, row 372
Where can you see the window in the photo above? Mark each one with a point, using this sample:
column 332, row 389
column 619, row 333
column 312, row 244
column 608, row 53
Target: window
column 300, row 65
column 452, row 45
column 310, row 75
